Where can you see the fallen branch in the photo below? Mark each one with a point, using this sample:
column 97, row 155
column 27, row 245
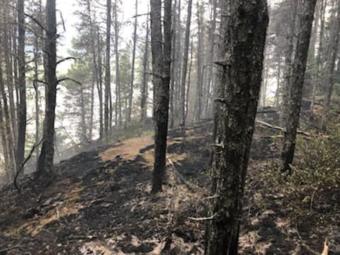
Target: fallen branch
column 21, row 168
column 203, row 218
column 265, row 124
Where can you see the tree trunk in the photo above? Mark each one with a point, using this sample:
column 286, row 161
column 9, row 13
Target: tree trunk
column 45, row 161
column 161, row 62
column 144, row 92
column 288, row 61
column 107, row 69
column 245, row 41
column 94, row 65
column 199, row 87
column 305, row 23
column 318, row 60
column 329, row 72
column 22, row 111
column 100, row 87
column 118, row 88
column 133, row 64
column 185, row 63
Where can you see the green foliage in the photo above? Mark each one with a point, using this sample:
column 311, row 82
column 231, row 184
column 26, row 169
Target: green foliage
column 319, row 165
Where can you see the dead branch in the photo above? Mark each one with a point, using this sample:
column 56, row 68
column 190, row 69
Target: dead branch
column 69, row 79
column 203, row 218
column 66, row 59
column 265, row 124
column 36, row 21
column 23, row 164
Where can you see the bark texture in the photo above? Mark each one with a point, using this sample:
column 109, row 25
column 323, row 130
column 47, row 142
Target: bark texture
column 305, row 23
column 244, row 25
column 45, row 161
column 161, row 62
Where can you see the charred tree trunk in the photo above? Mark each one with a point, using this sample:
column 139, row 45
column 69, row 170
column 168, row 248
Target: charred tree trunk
column 305, row 23
column 161, row 62
column 22, row 111
column 45, row 161
column 240, row 83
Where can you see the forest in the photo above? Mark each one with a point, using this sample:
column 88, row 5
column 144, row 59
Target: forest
column 169, row 127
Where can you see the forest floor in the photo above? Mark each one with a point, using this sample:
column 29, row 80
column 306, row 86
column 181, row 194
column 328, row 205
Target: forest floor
column 99, row 202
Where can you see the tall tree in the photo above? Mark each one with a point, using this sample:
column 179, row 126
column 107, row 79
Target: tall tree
column 243, row 32
column 45, row 161
column 200, row 68
column 161, row 63
column 134, row 44
column 107, row 108
column 22, row 108
column 331, row 61
column 288, row 52
column 185, row 63
column 144, row 92
column 304, row 29
column 118, row 85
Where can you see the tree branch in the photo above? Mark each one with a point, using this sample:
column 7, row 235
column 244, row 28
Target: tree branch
column 23, row 164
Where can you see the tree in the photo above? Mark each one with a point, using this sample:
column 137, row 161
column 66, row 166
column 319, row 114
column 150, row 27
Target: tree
column 107, row 96
column 305, row 23
column 45, row 161
column 118, row 87
column 22, row 108
column 243, row 32
column 330, row 66
column 133, row 62
column 185, row 62
column 161, row 62
column 144, row 93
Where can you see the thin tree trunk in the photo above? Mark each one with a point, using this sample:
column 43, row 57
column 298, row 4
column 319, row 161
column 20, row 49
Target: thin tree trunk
column 45, row 162
column 305, row 23
column 100, row 88
column 329, row 72
column 133, row 63
column 317, row 82
column 22, row 111
column 9, row 73
column 185, row 63
column 107, row 69
column 199, row 88
column 245, row 40
column 173, row 67
column 118, row 88
column 94, row 65
column 288, row 61
column 37, row 94
column 161, row 65
column 144, row 93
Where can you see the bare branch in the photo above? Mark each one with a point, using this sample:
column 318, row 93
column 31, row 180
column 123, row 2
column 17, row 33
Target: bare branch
column 68, row 79
column 66, row 59
column 23, row 164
